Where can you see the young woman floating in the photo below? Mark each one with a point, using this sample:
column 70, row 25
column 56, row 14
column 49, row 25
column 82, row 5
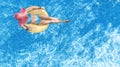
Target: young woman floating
column 35, row 12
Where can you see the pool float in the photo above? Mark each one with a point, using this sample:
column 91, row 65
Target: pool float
column 34, row 28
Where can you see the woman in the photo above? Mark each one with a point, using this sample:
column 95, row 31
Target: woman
column 22, row 17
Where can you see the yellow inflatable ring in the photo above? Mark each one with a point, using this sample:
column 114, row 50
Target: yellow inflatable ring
column 34, row 28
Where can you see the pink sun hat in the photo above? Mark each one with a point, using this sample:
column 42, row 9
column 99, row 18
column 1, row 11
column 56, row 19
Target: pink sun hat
column 21, row 16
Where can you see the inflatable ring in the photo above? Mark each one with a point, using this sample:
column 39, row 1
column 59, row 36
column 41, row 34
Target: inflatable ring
column 34, row 28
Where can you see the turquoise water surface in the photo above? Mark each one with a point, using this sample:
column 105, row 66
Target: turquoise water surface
column 90, row 39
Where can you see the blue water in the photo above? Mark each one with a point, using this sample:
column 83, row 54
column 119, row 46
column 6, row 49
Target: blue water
column 90, row 39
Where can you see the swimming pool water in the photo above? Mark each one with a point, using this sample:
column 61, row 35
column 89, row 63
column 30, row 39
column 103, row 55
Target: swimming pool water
column 90, row 39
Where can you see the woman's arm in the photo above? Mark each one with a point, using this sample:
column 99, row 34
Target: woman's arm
column 34, row 8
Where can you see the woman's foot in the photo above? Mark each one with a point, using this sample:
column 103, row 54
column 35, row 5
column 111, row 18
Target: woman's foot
column 64, row 20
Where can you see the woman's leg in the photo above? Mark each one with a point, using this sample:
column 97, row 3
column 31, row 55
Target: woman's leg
column 52, row 18
column 56, row 20
column 47, row 20
column 52, row 21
